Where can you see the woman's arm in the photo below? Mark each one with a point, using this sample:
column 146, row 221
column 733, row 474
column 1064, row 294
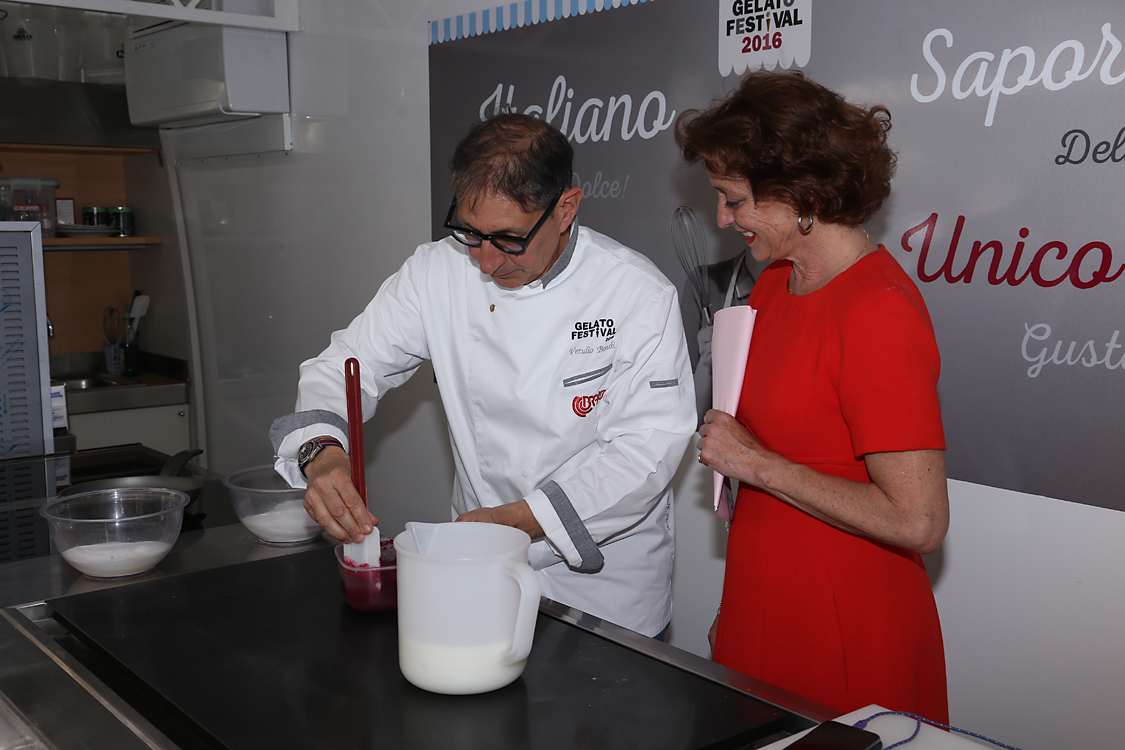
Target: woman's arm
column 906, row 504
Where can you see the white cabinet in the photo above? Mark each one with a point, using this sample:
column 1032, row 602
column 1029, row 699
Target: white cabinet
column 162, row 428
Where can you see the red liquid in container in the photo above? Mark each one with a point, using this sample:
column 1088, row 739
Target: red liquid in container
column 369, row 589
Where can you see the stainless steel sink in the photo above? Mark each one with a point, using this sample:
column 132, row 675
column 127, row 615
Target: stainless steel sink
column 95, row 380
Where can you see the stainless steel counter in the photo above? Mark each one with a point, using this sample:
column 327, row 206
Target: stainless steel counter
column 42, row 680
column 149, row 390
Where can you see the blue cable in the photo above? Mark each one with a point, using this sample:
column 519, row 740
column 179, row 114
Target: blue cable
column 862, row 724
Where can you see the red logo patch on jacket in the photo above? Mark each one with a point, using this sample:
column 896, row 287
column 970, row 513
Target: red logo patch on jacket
column 583, row 405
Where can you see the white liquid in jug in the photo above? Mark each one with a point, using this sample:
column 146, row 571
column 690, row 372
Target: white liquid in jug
column 456, row 670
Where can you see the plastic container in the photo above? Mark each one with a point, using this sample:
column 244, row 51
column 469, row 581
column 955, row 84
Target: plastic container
column 271, row 509
column 117, row 532
column 467, row 604
column 29, row 199
column 121, row 219
column 371, row 588
column 32, row 41
column 103, row 48
column 95, row 216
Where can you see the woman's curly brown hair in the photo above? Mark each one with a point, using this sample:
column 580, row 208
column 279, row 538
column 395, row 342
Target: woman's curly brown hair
column 797, row 142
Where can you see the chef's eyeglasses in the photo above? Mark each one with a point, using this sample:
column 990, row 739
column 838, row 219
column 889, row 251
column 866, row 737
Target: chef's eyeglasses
column 505, row 243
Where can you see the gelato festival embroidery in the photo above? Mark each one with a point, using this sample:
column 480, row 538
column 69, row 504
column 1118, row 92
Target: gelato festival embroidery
column 601, row 328
column 583, row 405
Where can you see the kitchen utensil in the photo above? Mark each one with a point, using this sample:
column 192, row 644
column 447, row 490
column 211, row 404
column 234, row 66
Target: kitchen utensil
column 115, row 532
column 370, row 588
column 365, row 553
column 137, row 311
column 167, row 479
column 466, row 610
column 691, row 251
column 111, row 325
column 271, row 509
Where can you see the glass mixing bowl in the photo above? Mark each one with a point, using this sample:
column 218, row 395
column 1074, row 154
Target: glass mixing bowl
column 115, row 532
column 271, row 509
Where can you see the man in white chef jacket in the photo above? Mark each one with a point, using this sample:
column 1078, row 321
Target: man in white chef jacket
column 563, row 369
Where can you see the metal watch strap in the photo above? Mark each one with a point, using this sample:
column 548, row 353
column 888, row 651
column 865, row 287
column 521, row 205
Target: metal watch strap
column 314, row 447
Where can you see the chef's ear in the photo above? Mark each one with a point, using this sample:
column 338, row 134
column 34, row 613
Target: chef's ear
column 568, row 204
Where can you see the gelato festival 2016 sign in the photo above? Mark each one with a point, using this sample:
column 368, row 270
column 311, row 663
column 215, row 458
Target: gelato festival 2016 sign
column 1005, row 208
column 763, row 33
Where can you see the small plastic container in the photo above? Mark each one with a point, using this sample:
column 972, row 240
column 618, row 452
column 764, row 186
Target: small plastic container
column 117, row 532
column 121, row 219
column 29, row 199
column 103, row 48
column 371, row 589
column 95, row 216
column 271, row 509
column 32, row 38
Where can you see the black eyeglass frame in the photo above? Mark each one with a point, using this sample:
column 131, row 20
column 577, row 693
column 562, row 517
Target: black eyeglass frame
column 481, row 238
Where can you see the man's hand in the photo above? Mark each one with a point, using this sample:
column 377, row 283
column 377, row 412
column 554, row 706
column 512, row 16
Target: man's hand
column 516, row 514
column 333, row 501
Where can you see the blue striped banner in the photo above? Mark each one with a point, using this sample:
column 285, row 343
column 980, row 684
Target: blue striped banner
column 515, row 14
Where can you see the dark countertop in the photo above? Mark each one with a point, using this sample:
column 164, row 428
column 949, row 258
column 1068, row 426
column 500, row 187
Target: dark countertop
column 226, row 632
column 297, row 667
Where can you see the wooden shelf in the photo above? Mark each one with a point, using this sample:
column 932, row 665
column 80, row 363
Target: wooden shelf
column 99, row 243
column 39, row 148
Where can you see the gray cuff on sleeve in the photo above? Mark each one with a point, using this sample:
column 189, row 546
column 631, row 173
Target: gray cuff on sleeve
column 282, row 426
column 592, row 559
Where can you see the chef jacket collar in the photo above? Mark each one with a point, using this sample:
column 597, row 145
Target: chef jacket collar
column 564, row 259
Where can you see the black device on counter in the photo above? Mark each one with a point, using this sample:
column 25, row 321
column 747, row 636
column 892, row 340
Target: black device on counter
column 832, row 735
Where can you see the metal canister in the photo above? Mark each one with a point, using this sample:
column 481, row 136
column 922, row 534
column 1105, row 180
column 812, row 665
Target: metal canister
column 121, row 218
column 95, row 216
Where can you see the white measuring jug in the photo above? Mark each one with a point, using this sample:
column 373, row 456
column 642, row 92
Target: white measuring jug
column 467, row 603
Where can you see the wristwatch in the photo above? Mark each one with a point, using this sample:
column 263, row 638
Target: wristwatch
column 312, row 448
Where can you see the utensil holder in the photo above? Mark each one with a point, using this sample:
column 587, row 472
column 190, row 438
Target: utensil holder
column 114, row 358
column 131, row 364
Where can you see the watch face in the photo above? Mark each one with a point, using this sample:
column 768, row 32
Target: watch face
column 308, row 450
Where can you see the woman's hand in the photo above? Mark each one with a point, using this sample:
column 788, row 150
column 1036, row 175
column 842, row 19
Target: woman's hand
column 726, row 446
column 906, row 503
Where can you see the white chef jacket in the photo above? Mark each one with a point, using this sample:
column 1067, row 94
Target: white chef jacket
column 573, row 392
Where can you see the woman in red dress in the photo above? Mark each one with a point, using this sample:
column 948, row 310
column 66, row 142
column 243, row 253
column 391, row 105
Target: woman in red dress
column 837, row 445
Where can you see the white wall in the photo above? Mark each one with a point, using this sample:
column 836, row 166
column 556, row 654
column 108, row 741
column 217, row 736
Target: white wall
column 1031, row 593
column 1031, row 590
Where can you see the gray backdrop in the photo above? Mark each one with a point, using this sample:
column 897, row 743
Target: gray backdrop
column 994, row 171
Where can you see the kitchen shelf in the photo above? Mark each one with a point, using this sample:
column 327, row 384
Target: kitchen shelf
column 99, row 243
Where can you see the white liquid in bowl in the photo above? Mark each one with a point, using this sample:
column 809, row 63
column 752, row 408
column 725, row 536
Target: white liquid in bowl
column 456, row 670
column 114, row 559
column 288, row 522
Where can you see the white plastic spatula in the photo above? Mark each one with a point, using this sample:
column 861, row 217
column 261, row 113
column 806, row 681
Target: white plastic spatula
column 365, row 553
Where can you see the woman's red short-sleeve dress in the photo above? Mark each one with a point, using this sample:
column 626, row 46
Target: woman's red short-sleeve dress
column 848, row 370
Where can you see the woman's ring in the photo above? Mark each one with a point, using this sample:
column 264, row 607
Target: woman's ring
column 700, row 457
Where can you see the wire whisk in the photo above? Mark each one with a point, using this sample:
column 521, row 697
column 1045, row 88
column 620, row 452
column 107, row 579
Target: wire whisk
column 691, row 250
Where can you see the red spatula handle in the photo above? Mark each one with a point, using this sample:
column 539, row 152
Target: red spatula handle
column 355, row 425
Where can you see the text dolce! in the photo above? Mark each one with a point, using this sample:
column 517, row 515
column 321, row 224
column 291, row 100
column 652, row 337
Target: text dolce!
column 601, row 328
